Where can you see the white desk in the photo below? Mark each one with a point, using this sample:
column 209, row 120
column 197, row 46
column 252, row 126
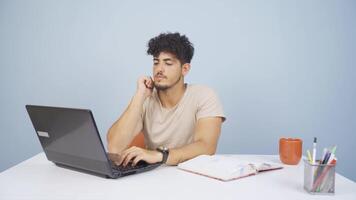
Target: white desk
column 37, row 178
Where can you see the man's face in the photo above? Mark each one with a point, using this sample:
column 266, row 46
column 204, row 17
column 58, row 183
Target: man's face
column 167, row 71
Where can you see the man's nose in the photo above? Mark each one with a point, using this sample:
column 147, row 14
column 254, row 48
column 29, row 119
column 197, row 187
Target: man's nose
column 159, row 68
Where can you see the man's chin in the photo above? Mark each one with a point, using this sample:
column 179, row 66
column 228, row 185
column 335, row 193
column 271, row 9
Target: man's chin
column 161, row 87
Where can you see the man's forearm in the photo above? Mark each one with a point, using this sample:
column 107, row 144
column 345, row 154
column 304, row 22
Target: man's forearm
column 189, row 151
column 122, row 131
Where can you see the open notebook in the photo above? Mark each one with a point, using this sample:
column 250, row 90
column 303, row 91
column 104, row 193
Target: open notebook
column 227, row 167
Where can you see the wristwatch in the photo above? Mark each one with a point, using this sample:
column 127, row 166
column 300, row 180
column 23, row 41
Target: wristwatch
column 165, row 153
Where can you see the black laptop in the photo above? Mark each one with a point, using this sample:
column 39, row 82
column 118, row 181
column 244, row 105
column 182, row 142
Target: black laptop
column 70, row 138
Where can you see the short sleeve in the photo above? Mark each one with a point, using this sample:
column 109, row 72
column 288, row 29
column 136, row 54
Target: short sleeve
column 209, row 104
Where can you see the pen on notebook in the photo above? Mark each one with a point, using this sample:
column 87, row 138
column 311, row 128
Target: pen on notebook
column 314, row 149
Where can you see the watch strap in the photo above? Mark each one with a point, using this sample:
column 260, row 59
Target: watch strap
column 165, row 153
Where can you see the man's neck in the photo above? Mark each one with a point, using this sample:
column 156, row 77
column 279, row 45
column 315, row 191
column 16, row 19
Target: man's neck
column 170, row 97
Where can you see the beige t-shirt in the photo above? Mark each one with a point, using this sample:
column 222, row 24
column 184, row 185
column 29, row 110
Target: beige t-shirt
column 174, row 127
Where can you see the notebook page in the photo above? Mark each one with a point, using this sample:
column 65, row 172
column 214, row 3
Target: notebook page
column 219, row 166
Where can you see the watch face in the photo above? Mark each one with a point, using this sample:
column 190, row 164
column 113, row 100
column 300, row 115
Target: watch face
column 162, row 148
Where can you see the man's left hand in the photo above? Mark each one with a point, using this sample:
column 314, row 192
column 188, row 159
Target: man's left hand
column 136, row 154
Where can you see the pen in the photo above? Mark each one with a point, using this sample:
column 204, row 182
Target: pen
column 309, row 157
column 324, row 154
column 331, row 159
column 326, row 158
column 333, row 149
column 314, row 149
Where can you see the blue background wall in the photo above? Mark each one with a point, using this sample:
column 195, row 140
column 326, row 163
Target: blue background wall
column 281, row 68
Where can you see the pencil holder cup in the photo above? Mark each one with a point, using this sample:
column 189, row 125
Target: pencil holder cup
column 319, row 178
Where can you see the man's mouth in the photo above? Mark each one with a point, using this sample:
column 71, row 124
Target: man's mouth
column 160, row 77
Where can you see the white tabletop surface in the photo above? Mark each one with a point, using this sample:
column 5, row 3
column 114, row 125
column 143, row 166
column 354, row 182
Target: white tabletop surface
column 37, row 178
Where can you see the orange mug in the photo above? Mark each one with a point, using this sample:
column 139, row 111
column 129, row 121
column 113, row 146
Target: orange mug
column 290, row 150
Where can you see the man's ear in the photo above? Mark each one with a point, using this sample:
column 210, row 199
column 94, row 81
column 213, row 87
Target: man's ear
column 185, row 68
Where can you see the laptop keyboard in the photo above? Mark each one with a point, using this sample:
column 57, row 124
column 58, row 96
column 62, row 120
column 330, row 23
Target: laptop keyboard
column 129, row 166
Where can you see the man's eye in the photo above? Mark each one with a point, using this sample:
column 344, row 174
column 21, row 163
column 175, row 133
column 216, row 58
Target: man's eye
column 155, row 63
column 169, row 64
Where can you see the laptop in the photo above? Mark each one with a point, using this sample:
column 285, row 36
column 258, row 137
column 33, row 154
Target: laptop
column 70, row 138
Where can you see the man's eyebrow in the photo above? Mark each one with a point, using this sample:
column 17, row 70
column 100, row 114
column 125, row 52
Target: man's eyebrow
column 168, row 59
column 165, row 59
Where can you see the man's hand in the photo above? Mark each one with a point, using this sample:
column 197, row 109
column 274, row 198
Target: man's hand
column 136, row 154
column 145, row 86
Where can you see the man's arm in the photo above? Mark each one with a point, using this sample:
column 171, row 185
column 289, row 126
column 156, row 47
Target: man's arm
column 124, row 130
column 206, row 137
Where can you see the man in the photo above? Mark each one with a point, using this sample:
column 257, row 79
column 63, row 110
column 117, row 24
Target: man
column 179, row 121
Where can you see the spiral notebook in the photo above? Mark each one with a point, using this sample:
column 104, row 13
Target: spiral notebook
column 227, row 167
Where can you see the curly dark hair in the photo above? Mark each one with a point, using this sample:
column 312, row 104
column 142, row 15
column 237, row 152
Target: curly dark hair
column 173, row 43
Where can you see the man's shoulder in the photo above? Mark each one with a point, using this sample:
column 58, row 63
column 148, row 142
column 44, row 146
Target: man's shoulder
column 201, row 90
